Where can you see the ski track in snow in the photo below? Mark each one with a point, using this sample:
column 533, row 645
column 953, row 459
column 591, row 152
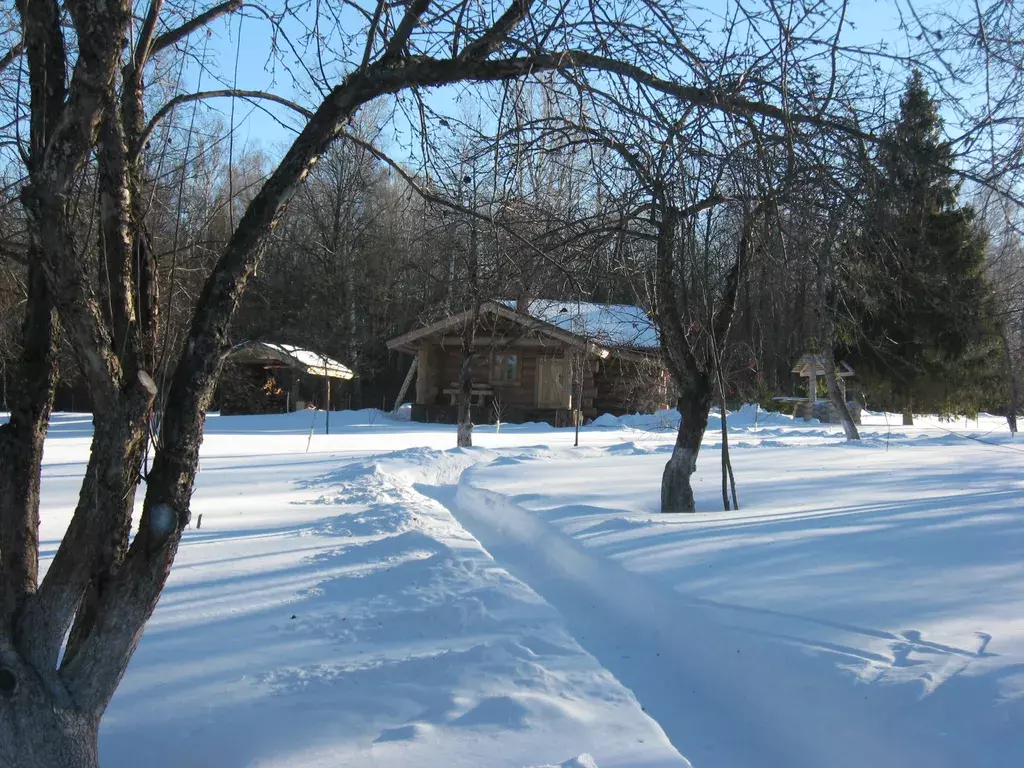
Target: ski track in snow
column 800, row 687
column 519, row 605
column 725, row 694
column 421, row 646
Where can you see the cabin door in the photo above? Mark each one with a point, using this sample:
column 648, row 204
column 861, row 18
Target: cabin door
column 553, row 390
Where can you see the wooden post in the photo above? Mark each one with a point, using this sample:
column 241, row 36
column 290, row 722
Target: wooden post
column 580, row 360
column 405, row 386
column 327, row 403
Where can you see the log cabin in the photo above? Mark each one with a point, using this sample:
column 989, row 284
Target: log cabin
column 538, row 360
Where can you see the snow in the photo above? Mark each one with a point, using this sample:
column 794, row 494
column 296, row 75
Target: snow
column 375, row 597
column 864, row 607
column 616, row 325
column 312, row 360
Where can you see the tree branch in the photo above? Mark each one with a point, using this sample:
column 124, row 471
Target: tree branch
column 433, row 197
column 405, row 29
column 11, row 56
column 168, row 39
column 147, row 132
column 492, row 39
column 142, row 47
column 21, row 450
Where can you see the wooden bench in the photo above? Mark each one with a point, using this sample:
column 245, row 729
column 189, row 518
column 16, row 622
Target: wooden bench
column 478, row 395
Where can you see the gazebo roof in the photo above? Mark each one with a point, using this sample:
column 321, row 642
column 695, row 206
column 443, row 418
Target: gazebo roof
column 303, row 360
column 804, row 365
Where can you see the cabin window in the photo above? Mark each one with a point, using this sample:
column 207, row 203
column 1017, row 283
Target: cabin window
column 505, row 368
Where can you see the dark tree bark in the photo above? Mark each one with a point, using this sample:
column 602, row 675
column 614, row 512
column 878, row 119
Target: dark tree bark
column 728, row 478
column 908, row 412
column 21, row 451
column 835, row 393
column 41, row 727
column 694, row 404
column 465, row 414
column 825, row 307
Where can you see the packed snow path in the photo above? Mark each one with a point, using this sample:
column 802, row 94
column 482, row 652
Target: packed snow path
column 865, row 607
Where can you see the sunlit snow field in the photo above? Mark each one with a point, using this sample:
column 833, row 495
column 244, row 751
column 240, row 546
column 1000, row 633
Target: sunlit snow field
column 374, row 597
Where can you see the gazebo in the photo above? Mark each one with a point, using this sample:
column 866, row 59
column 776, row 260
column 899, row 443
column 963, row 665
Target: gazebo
column 261, row 377
column 810, row 366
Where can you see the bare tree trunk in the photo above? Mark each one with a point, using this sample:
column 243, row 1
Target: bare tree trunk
column 465, row 420
column 41, row 731
column 465, row 397
column 727, row 475
column 353, row 341
column 21, row 452
column 908, row 412
column 696, row 396
column 727, row 460
column 835, row 392
column 694, row 405
column 578, row 363
column 827, row 331
column 732, row 478
column 1011, row 373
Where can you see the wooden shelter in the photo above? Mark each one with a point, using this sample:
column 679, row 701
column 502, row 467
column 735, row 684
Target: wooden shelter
column 812, row 367
column 538, row 360
column 262, row 377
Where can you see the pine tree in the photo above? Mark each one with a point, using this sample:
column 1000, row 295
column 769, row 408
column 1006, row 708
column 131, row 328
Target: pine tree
column 925, row 308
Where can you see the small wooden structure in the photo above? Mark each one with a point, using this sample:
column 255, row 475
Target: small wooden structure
column 811, row 367
column 263, row 377
column 534, row 360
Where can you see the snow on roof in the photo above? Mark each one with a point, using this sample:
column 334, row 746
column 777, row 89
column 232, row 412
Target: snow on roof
column 614, row 325
column 803, row 366
column 309, row 362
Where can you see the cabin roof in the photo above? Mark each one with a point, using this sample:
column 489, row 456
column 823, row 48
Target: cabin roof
column 600, row 328
column 303, row 360
column 614, row 325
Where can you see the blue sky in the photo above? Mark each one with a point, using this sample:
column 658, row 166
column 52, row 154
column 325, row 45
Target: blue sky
column 266, row 128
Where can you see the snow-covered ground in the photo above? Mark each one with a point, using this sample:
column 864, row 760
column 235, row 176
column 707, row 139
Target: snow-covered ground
column 375, row 598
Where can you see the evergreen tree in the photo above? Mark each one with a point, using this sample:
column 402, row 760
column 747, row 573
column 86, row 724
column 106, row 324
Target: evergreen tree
column 924, row 309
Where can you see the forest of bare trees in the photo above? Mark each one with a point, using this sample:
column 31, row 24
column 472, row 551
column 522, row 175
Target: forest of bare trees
column 721, row 165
